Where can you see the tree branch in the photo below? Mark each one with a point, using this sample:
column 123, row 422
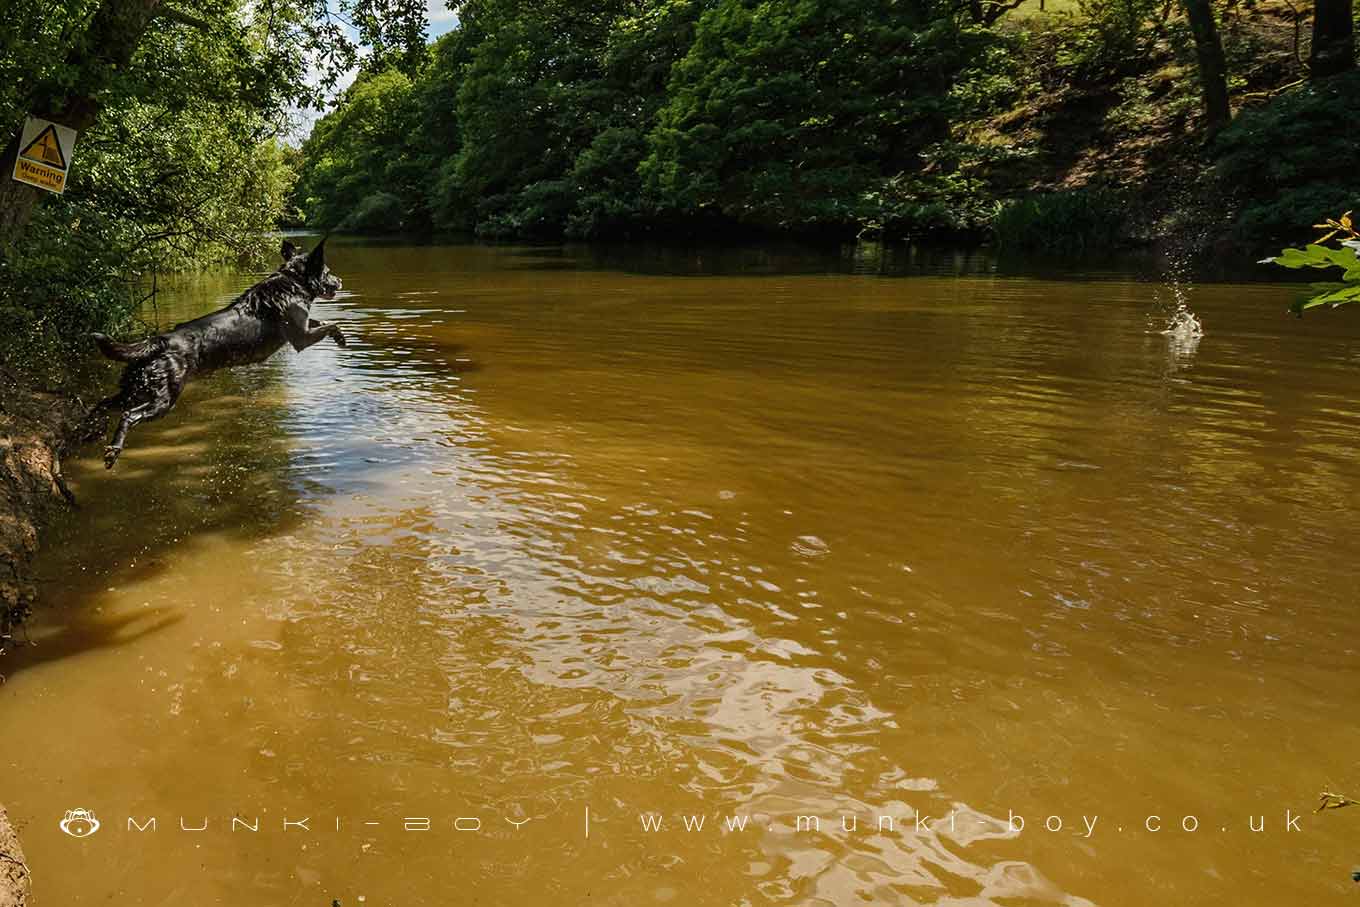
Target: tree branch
column 183, row 18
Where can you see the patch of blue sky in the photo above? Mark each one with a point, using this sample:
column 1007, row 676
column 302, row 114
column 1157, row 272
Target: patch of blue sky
column 440, row 20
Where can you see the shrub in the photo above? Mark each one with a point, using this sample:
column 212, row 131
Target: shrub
column 1292, row 158
column 380, row 212
column 1080, row 220
column 606, row 175
column 61, row 283
column 1099, row 41
column 537, row 211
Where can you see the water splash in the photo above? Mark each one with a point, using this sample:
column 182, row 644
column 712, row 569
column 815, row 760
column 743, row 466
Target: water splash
column 1183, row 329
column 1181, row 326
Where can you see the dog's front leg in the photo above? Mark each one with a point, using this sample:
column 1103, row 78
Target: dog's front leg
column 299, row 330
column 313, row 324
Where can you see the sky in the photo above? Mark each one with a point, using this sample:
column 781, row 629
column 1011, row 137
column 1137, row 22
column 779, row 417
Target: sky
column 442, row 18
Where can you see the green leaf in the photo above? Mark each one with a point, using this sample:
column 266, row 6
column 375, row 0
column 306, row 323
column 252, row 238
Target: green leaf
column 1332, row 297
column 1315, row 256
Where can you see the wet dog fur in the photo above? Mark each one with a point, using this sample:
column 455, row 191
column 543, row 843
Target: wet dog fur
column 275, row 311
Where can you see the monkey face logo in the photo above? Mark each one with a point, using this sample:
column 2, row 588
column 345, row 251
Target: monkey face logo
column 79, row 823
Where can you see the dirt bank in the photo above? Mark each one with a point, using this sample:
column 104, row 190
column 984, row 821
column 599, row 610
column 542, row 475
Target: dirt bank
column 33, row 427
column 14, row 877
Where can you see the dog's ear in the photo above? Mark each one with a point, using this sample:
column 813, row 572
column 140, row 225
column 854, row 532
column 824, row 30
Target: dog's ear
column 316, row 260
column 288, row 251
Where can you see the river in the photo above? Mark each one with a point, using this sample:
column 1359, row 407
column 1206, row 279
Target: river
column 572, row 549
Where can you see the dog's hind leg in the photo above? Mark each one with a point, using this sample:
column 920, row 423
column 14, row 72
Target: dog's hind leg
column 92, row 426
column 144, row 413
column 58, row 479
column 130, row 418
column 158, row 384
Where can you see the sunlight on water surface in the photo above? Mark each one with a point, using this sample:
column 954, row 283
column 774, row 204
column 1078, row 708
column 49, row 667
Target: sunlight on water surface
column 563, row 540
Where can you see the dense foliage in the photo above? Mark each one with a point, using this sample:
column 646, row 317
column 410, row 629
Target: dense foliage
column 1059, row 130
column 1343, row 257
column 178, row 171
column 1297, row 155
column 181, row 162
column 896, row 117
column 798, row 114
column 607, row 118
column 1062, row 222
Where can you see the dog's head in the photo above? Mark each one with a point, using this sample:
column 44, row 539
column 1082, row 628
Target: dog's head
column 309, row 269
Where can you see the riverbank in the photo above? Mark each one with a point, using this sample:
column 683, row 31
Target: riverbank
column 14, row 874
column 35, row 425
column 1123, row 156
column 1077, row 129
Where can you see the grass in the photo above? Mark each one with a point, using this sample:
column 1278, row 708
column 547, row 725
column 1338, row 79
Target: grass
column 1074, row 221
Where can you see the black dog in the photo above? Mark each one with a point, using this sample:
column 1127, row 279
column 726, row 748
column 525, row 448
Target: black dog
column 275, row 311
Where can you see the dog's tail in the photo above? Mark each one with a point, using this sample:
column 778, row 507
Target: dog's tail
column 128, row 352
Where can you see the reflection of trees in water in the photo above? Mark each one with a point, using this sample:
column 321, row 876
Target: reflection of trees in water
column 784, row 258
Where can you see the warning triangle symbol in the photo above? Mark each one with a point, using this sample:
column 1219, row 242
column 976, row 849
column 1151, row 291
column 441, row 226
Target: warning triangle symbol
column 45, row 149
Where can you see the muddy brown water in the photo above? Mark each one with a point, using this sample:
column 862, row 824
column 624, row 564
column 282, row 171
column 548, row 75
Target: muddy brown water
column 566, row 545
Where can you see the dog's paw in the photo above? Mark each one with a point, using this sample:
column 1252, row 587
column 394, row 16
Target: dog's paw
column 110, row 456
column 66, row 494
column 339, row 337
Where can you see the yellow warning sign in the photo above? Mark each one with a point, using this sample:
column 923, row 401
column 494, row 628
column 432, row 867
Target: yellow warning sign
column 45, row 149
column 49, row 178
column 44, row 154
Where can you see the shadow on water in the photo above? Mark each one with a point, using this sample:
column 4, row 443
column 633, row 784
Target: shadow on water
column 865, row 257
column 217, row 465
column 88, row 633
column 786, row 258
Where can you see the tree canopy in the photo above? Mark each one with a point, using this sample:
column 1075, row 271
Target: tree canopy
column 560, row 118
column 905, row 118
column 181, row 108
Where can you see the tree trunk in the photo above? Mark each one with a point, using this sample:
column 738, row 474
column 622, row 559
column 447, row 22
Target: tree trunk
column 1213, row 69
column 107, row 46
column 988, row 12
column 1333, row 38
